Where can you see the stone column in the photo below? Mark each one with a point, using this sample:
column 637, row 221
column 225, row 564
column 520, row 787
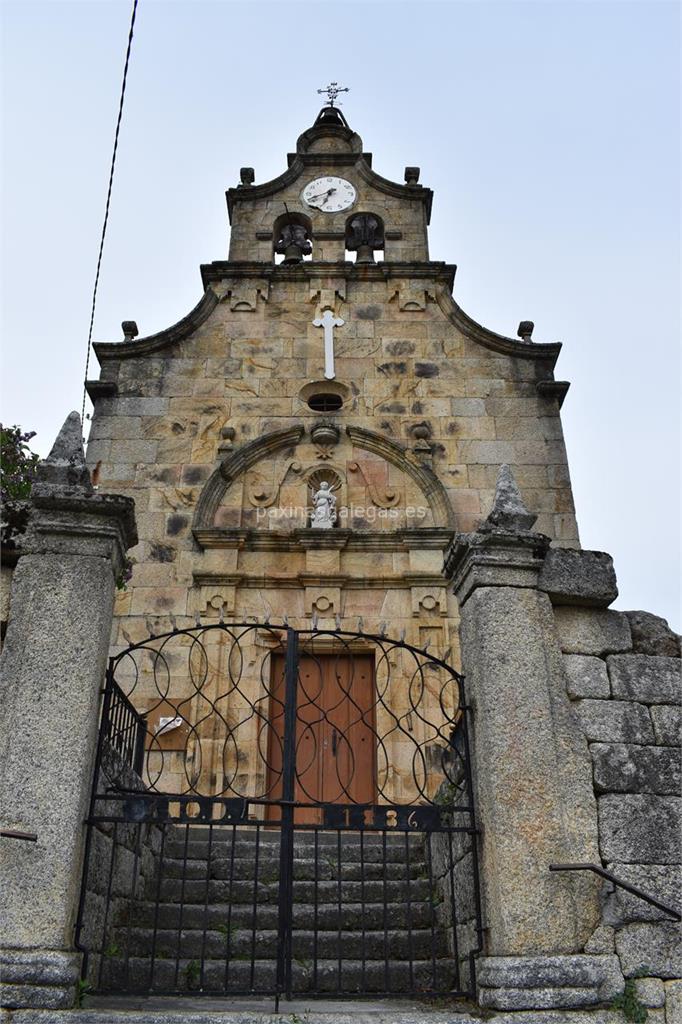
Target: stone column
column 51, row 675
column 532, row 772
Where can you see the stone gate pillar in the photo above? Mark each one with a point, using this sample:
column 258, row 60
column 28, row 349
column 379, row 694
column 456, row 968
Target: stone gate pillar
column 533, row 783
column 51, row 674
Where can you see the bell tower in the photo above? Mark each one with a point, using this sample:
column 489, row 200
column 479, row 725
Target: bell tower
column 332, row 202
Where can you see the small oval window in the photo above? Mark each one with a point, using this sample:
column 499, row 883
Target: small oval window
column 325, row 402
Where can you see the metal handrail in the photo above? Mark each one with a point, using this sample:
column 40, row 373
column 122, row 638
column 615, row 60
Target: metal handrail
column 619, row 882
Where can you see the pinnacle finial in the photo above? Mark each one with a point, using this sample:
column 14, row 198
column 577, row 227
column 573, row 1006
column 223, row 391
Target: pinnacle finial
column 332, row 91
column 508, row 511
column 65, row 465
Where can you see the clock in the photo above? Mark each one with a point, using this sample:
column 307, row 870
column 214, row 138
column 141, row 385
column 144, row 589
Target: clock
column 329, row 194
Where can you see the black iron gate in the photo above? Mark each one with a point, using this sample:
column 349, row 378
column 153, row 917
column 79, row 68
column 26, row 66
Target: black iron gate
column 278, row 811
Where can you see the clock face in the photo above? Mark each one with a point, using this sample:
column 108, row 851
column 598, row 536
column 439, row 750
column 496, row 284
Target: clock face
column 329, row 194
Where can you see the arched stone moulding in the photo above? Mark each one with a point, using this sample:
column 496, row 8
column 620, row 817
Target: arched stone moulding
column 443, row 275
column 236, row 464
column 423, row 476
column 255, row 451
column 177, row 332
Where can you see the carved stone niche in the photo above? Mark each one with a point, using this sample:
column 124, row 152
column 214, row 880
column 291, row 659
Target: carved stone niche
column 259, row 494
column 364, row 235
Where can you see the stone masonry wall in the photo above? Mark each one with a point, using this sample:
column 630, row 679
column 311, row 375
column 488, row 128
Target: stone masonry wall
column 623, row 674
column 123, row 859
column 160, row 437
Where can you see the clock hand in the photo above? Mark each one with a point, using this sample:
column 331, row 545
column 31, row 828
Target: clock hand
column 318, row 194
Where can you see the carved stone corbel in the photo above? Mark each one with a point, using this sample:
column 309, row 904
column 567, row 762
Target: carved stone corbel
column 328, row 292
column 412, row 295
column 243, row 297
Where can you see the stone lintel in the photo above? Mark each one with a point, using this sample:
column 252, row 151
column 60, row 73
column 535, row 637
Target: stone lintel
column 571, row 576
column 38, row 978
column 244, row 538
column 548, row 982
column 496, row 558
column 71, row 521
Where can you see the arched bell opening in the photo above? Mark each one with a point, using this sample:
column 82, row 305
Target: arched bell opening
column 365, row 238
column 292, row 238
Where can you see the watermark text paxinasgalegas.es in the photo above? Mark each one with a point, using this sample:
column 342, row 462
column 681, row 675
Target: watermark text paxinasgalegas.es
column 370, row 513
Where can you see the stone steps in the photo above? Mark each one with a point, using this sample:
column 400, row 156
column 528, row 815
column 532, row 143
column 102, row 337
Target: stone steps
column 234, row 943
column 351, row 915
column 325, row 867
column 369, row 848
column 200, row 891
column 138, row 974
column 364, row 917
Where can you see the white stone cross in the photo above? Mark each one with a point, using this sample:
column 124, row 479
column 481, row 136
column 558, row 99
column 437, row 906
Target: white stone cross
column 329, row 322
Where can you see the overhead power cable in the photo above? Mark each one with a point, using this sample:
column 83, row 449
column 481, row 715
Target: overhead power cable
column 108, row 203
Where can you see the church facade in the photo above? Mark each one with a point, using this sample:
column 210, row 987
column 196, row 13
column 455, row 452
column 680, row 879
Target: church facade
column 224, row 427
column 369, row 724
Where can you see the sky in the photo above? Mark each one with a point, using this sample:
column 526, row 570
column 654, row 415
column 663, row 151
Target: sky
column 548, row 130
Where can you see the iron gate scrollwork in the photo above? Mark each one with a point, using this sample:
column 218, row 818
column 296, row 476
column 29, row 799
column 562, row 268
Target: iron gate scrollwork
column 278, row 811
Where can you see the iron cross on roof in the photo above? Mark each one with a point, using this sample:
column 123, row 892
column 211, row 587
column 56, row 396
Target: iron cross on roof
column 333, row 90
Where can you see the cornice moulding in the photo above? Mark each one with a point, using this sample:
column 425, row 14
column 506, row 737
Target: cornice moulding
column 177, row 332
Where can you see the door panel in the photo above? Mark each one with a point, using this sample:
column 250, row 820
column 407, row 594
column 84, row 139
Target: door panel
column 335, row 751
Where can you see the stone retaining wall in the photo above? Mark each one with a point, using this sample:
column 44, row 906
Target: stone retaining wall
column 622, row 672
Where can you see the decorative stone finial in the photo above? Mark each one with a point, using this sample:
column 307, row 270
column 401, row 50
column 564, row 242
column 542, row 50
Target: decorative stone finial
column 525, row 330
column 412, row 175
column 247, row 175
column 508, row 511
column 130, row 330
column 420, row 431
column 65, row 465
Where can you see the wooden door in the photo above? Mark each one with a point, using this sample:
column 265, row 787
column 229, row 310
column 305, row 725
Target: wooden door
column 335, row 749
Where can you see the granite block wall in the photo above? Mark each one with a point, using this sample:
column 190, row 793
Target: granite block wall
column 624, row 677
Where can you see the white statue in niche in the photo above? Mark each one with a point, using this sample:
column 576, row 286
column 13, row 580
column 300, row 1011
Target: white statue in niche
column 324, row 507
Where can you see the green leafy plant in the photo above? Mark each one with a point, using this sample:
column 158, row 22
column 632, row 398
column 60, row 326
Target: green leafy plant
column 192, row 974
column 83, row 989
column 17, row 471
column 629, row 1004
column 112, row 950
column 125, row 574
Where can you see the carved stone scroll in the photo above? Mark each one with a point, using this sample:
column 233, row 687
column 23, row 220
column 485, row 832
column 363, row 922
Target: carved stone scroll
column 387, row 500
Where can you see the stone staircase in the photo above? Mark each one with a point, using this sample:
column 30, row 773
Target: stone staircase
column 365, row 917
